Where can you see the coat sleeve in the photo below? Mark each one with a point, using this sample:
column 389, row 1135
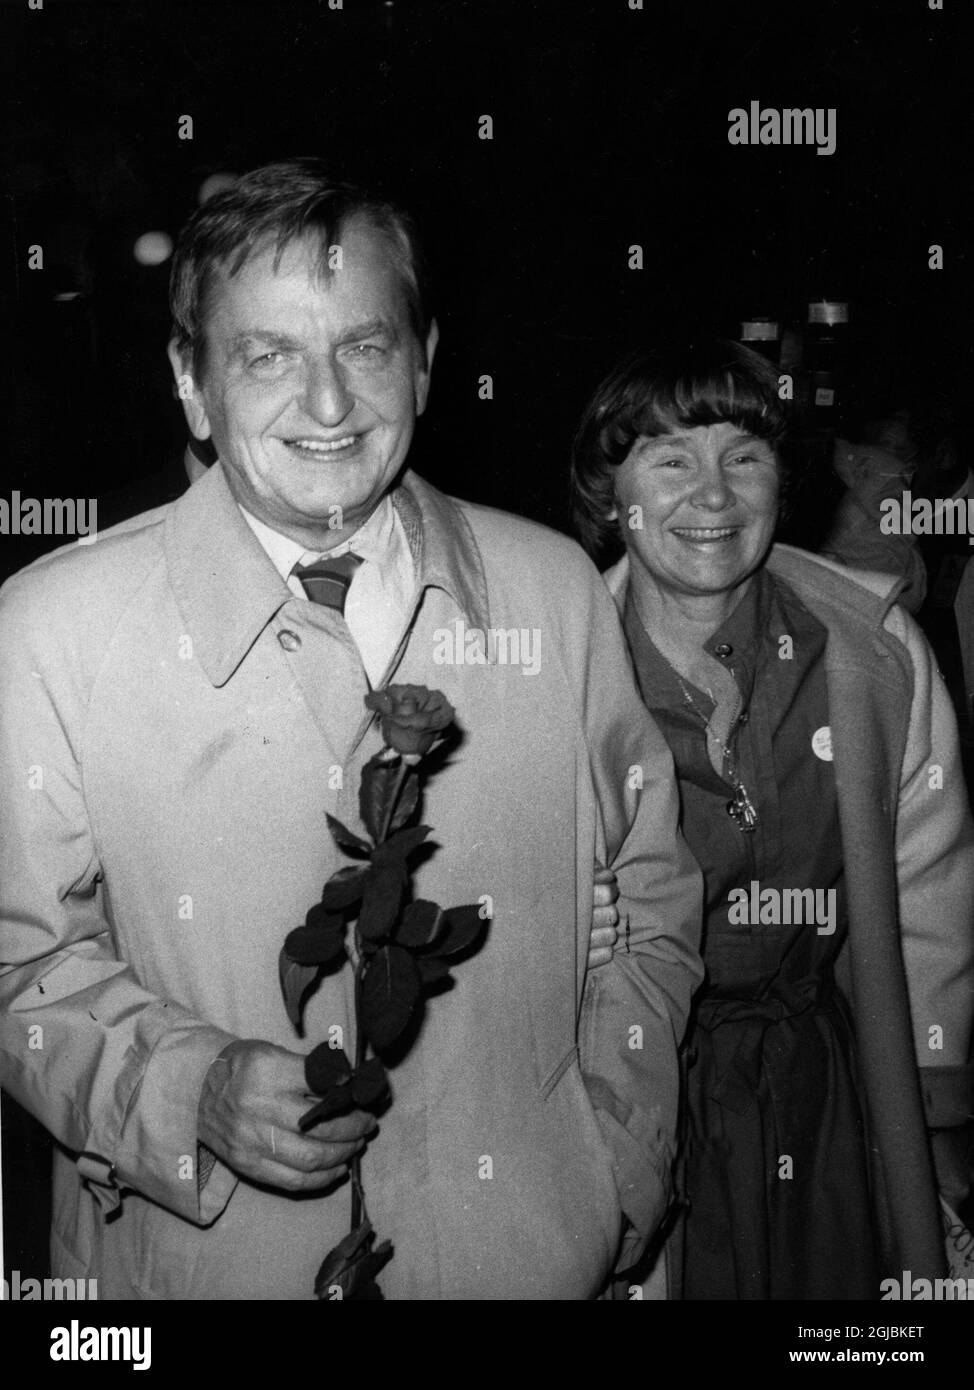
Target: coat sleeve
column 635, row 1009
column 111, row 1070
column 935, row 869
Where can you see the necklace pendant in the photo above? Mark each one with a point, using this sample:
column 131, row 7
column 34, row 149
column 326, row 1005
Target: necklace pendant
column 742, row 811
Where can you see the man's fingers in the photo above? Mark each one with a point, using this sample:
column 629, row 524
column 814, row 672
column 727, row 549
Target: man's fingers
column 600, row 946
column 284, row 1179
column 357, row 1124
column 299, row 1154
column 606, row 889
column 605, row 918
column 603, row 939
column 333, row 1142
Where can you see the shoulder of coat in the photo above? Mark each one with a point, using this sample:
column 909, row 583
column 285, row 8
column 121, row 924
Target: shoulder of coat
column 527, row 550
column 870, row 592
column 82, row 578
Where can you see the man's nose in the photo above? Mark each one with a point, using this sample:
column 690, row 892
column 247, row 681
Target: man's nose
column 712, row 491
column 326, row 397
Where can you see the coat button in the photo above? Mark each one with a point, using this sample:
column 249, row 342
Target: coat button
column 289, row 640
column 743, row 717
column 723, row 649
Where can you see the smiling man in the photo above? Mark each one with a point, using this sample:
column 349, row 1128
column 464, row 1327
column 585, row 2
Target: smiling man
column 312, row 383
column 181, row 706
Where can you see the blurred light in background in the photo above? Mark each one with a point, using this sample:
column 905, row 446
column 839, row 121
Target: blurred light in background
column 828, row 311
column 152, row 248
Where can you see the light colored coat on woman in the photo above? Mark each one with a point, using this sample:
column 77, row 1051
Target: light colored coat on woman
column 908, row 844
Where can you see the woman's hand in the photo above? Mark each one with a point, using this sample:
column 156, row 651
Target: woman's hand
column 605, row 918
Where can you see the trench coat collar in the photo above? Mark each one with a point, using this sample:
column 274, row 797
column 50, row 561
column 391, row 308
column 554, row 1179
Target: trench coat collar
column 227, row 590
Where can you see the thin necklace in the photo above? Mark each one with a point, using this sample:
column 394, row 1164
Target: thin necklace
column 740, row 807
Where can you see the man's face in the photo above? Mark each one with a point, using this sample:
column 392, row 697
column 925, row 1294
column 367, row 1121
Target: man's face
column 312, row 386
column 709, row 501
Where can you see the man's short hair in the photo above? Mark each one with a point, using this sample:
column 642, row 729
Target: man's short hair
column 281, row 203
column 655, row 391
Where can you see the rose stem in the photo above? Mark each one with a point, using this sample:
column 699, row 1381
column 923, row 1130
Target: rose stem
column 402, row 772
column 358, row 1199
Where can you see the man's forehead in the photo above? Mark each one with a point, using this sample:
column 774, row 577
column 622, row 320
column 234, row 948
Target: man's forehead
column 307, row 271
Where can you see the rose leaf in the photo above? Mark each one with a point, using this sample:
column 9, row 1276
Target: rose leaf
column 345, row 839
column 422, row 922
column 326, row 1066
column 297, row 981
column 391, row 989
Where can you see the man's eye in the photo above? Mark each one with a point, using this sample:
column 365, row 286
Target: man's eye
column 268, row 359
column 670, row 463
column 366, row 351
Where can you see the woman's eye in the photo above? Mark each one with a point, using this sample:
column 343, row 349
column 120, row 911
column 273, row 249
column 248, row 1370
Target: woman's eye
column 756, row 454
column 753, row 456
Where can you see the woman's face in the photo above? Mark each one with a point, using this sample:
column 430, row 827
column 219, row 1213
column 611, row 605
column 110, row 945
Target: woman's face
column 698, row 506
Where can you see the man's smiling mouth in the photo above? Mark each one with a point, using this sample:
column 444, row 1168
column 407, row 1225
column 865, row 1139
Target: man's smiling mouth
column 323, row 446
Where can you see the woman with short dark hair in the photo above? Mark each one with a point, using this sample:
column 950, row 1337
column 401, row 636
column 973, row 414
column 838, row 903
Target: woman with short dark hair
column 816, row 753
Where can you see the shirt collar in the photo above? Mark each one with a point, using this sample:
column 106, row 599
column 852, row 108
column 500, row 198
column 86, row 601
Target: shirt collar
column 372, row 541
column 767, row 611
column 660, row 684
column 227, row 592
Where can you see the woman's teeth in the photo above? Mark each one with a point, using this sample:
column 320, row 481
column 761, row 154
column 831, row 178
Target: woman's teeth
column 701, row 534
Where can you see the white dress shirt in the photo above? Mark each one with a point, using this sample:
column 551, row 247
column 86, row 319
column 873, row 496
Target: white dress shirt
column 378, row 599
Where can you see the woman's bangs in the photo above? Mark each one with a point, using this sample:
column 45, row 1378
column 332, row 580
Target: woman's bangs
column 710, row 398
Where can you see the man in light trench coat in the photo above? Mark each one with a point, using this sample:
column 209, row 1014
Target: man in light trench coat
column 178, row 717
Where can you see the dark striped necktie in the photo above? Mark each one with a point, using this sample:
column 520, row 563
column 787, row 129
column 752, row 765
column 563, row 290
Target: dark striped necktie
column 327, row 581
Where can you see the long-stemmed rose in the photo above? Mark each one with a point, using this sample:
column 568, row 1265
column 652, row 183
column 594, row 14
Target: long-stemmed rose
column 402, row 947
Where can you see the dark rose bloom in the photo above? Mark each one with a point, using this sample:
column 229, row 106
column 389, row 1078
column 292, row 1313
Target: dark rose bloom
column 412, row 716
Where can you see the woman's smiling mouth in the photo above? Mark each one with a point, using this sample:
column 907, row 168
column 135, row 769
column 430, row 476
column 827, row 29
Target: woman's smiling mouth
column 704, row 535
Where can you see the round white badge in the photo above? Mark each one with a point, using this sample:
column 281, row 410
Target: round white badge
column 822, row 743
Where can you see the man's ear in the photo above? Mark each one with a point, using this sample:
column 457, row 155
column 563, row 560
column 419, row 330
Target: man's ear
column 189, row 393
column 423, row 376
column 612, row 514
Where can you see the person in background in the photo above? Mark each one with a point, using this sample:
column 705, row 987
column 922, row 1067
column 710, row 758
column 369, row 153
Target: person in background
column 873, row 472
column 929, row 428
column 828, row 1065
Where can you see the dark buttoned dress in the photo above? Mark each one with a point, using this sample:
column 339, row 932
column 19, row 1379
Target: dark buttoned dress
column 773, row 1153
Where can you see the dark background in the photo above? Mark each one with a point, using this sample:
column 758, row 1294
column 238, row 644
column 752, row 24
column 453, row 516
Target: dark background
column 610, row 128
